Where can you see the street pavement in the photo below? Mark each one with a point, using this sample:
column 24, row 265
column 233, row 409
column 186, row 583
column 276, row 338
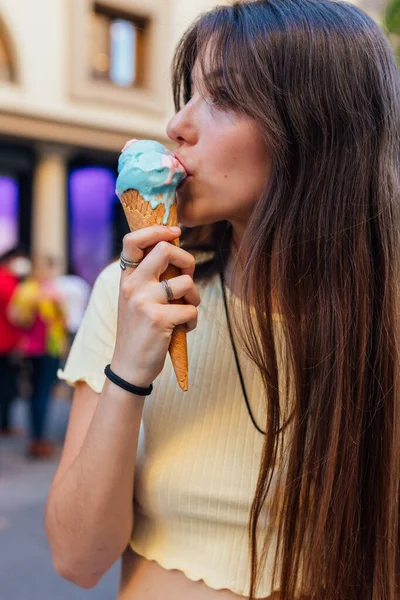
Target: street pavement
column 26, row 570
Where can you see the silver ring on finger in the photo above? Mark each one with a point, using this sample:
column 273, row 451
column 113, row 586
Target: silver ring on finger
column 168, row 291
column 124, row 263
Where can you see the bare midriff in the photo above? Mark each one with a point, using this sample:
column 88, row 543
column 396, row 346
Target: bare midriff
column 143, row 579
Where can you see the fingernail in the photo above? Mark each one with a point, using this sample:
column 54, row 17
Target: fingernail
column 174, row 229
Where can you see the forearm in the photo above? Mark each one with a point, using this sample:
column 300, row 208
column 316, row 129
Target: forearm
column 89, row 516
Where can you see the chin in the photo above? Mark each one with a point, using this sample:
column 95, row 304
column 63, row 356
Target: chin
column 186, row 213
column 195, row 211
column 190, row 221
column 188, row 217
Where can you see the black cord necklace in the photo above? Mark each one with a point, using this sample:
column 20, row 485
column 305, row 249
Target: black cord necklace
column 239, row 370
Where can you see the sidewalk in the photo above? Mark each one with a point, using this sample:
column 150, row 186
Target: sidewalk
column 26, row 571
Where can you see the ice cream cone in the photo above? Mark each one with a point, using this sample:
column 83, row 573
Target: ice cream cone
column 140, row 214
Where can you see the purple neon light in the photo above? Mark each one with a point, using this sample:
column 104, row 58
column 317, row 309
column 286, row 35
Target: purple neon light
column 9, row 213
column 92, row 195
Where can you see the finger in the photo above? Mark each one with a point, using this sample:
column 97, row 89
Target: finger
column 134, row 244
column 126, row 263
column 182, row 287
column 181, row 314
column 163, row 255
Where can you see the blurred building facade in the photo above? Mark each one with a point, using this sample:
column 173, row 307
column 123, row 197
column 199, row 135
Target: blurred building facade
column 77, row 79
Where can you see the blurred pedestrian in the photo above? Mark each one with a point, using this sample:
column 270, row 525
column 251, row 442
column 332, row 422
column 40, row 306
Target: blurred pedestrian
column 39, row 307
column 76, row 292
column 14, row 266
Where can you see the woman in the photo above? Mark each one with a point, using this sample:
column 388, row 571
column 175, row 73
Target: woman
column 39, row 308
column 288, row 123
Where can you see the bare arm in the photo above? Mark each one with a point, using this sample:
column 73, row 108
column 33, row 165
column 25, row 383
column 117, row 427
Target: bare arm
column 89, row 515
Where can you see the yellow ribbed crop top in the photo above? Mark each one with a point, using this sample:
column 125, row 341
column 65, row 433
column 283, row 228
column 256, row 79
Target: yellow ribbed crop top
column 199, row 453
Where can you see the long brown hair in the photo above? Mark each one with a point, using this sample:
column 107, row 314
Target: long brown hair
column 321, row 81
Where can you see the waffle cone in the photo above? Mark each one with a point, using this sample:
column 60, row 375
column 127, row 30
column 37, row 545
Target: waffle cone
column 139, row 214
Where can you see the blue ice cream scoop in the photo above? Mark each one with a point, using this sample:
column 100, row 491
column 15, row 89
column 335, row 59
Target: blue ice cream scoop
column 151, row 169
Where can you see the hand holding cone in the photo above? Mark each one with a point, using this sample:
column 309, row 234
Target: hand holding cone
column 145, row 212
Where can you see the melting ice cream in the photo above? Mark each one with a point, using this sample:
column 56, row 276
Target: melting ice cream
column 151, row 169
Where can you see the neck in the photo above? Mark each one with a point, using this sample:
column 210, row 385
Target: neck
column 234, row 267
column 233, row 272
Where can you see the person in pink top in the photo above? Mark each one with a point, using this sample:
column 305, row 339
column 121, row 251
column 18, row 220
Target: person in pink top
column 39, row 308
column 14, row 264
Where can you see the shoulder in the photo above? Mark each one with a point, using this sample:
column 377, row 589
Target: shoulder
column 107, row 282
column 110, row 275
column 104, row 295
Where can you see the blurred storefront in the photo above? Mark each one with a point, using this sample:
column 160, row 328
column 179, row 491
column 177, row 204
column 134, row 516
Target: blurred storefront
column 77, row 79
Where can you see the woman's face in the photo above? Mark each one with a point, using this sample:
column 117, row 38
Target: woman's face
column 226, row 159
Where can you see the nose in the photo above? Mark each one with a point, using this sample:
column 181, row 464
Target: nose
column 174, row 129
column 180, row 128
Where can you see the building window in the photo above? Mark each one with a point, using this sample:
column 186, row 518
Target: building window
column 9, row 213
column 119, row 56
column 6, row 63
column 117, row 47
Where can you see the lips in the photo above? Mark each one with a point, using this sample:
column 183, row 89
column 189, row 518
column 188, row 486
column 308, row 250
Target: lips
column 188, row 171
column 183, row 182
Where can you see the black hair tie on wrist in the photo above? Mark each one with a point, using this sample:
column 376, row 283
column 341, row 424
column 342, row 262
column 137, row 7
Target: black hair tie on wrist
column 125, row 385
